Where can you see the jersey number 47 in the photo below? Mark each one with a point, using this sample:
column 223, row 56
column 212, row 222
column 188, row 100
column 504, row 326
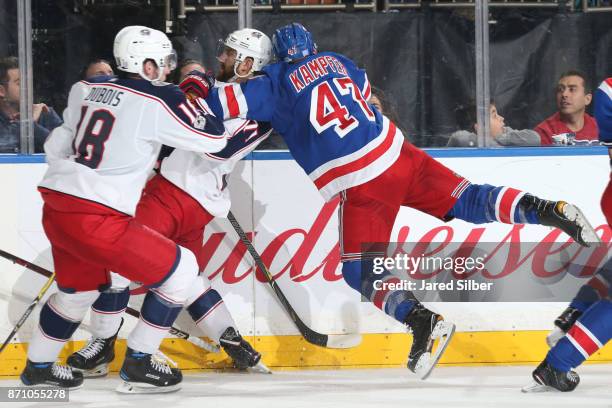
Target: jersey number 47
column 326, row 110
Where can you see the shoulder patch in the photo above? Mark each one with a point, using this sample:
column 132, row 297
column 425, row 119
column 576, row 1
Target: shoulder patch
column 199, row 122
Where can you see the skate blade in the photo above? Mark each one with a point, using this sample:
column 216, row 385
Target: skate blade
column 50, row 386
column 588, row 234
column 535, row 387
column 443, row 331
column 143, row 388
column 259, row 368
column 99, row 371
column 343, row 341
column 554, row 336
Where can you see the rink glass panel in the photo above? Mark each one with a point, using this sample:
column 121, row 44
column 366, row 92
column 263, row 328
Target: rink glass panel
column 10, row 141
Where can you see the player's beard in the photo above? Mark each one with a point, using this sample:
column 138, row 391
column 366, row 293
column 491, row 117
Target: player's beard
column 225, row 72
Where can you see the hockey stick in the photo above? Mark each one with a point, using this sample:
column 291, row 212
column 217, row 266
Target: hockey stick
column 132, row 312
column 319, row 339
column 28, row 311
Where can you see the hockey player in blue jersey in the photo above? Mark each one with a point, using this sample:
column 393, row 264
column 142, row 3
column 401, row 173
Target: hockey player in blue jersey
column 318, row 102
column 586, row 325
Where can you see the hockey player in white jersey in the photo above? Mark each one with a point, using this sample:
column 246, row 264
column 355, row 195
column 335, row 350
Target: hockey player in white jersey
column 189, row 191
column 99, row 161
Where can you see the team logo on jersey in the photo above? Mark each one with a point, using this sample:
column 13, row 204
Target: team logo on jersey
column 199, row 122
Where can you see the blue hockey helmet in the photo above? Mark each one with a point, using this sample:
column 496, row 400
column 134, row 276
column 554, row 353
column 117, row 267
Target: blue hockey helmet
column 293, row 42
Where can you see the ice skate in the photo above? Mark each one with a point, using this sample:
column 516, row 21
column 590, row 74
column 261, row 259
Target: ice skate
column 93, row 359
column 427, row 326
column 562, row 325
column 564, row 216
column 144, row 373
column 245, row 357
column 51, row 374
column 548, row 378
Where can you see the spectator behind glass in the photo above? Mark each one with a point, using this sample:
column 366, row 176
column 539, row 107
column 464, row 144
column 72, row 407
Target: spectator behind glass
column 185, row 67
column 383, row 104
column 97, row 67
column 500, row 135
column 45, row 118
column 570, row 122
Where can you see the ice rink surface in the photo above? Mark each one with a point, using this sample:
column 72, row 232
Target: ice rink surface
column 448, row 387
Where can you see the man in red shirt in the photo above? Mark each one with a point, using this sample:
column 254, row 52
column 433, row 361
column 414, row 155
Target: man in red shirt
column 570, row 122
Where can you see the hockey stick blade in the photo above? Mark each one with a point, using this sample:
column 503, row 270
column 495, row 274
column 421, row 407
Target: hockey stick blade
column 337, row 341
column 343, row 341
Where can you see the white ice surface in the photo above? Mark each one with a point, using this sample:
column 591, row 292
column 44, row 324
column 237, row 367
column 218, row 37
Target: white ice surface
column 448, row 387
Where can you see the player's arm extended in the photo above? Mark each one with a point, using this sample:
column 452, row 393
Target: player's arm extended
column 253, row 99
column 183, row 124
column 242, row 141
column 603, row 113
column 59, row 143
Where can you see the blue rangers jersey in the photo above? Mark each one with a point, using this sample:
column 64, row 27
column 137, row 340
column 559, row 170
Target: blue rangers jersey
column 603, row 111
column 319, row 106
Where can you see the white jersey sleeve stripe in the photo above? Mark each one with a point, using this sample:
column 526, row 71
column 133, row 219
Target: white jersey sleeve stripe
column 233, row 101
column 367, row 90
column 606, row 88
column 187, row 112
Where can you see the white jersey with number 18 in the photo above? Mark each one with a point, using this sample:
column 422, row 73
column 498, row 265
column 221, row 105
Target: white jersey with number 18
column 112, row 133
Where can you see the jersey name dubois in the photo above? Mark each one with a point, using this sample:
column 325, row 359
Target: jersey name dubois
column 105, row 96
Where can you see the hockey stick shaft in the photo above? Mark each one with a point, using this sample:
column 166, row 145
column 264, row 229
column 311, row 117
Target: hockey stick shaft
column 310, row 335
column 132, row 312
column 28, row 311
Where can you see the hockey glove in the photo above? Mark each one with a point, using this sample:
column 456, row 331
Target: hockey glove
column 197, row 84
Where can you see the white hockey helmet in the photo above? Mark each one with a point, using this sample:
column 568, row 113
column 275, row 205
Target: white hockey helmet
column 135, row 44
column 248, row 42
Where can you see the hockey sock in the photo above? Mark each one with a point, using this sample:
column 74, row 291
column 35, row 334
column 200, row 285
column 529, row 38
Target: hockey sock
column 590, row 332
column 359, row 275
column 163, row 304
column 106, row 312
column 481, row 203
column 59, row 319
column 597, row 288
column 158, row 313
column 210, row 314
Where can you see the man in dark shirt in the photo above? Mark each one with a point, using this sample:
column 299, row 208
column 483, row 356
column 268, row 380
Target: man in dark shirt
column 45, row 118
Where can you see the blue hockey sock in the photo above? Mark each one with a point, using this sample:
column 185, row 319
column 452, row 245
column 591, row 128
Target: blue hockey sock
column 106, row 312
column 590, row 332
column 159, row 312
column 112, row 301
column 482, row 203
column 56, row 325
column 395, row 303
column 597, row 288
column 204, row 304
